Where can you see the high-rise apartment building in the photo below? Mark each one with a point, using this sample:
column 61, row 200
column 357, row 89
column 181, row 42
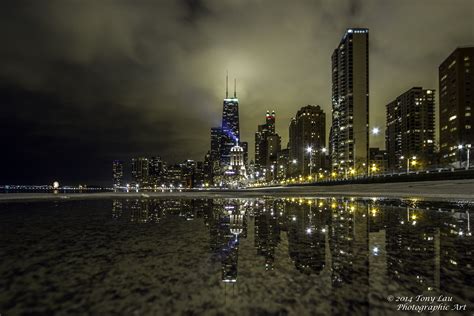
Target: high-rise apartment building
column 350, row 102
column 410, row 128
column 117, row 172
column 156, row 170
column 456, row 101
column 307, row 131
column 140, row 171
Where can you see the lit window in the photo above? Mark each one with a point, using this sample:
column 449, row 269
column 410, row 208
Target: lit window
column 468, row 126
column 452, row 117
column 467, row 114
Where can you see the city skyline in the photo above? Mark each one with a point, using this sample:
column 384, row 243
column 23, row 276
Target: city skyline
column 54, row 130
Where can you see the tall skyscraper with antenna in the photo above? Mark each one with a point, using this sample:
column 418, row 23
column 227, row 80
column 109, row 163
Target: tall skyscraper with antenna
column 230, row 123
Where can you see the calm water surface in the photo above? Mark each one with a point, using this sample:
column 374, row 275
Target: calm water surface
column 234, row 256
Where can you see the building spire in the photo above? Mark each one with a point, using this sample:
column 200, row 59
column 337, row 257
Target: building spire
column 227, row 85
column 235, row 88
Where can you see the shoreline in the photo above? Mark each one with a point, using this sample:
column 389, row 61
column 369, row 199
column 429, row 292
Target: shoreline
column 444, row 190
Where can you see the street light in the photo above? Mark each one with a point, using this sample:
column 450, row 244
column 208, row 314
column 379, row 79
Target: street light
column 309, row 150
column 408, row 162
column 375, row 131
column 468, row 148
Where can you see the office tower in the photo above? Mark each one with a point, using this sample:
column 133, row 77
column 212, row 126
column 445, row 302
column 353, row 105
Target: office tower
column 155, row 171
column 208, row 173
column 308, row 130
column 456, row 100
column 230, row 124
column 188, row 168
column 117, row 171
column 198, row 177
column 174, row 176
column 270, row 120
column 140, row 171
column 283, row 163
column 350, row 102
column 267, row 144
column 245, row 147
column 226, row 136
column 410, row 128
column 216, row 135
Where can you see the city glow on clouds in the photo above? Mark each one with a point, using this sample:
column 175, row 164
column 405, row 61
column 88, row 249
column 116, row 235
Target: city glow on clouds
column 152, row 74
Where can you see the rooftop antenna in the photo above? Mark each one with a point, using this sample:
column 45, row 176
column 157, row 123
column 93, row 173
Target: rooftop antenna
column 227, row 85
column 235, row 88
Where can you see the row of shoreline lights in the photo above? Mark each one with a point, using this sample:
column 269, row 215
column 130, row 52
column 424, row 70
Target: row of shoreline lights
column 375, row 131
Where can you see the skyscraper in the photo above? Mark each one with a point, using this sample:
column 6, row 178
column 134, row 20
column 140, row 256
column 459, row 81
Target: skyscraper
column 117, row 171
column 230, row 124
column 350, row 102
column 456, row 99
column 156, row 170
column 410, row 127
column 226, row 136
column 140, row 171
column 267, row 143
column 307, row 130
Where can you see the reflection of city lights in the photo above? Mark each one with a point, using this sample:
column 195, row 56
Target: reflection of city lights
column 375, row 250
column 308, row 231
column 294, row 218
column 333, row 205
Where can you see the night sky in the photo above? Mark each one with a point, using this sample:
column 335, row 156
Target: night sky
column 86, row 82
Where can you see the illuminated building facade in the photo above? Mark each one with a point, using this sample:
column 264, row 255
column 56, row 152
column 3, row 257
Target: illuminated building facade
column 230, row 126
column 223, row 138
column 456, row 100
column 307, row 130
column 140, row 171
column 117, row 172
column 410, row 127
column 350, row 102
column 267, row 145
column 156, row 170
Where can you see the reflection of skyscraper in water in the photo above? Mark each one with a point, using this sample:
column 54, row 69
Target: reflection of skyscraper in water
column 267, row 232
column 306, row 237
column 411, row 249
column 349, row 250
column 117, row 207
column 227, row 225
column 233, row 225
column 456, row 245
column 139, row 210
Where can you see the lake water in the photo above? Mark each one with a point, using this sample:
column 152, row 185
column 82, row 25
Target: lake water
column 269, row 256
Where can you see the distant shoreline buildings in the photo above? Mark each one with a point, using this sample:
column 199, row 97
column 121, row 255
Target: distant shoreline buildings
column 309, row 156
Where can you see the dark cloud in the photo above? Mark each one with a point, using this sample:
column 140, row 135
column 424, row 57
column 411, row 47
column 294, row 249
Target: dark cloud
column 84, row 82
